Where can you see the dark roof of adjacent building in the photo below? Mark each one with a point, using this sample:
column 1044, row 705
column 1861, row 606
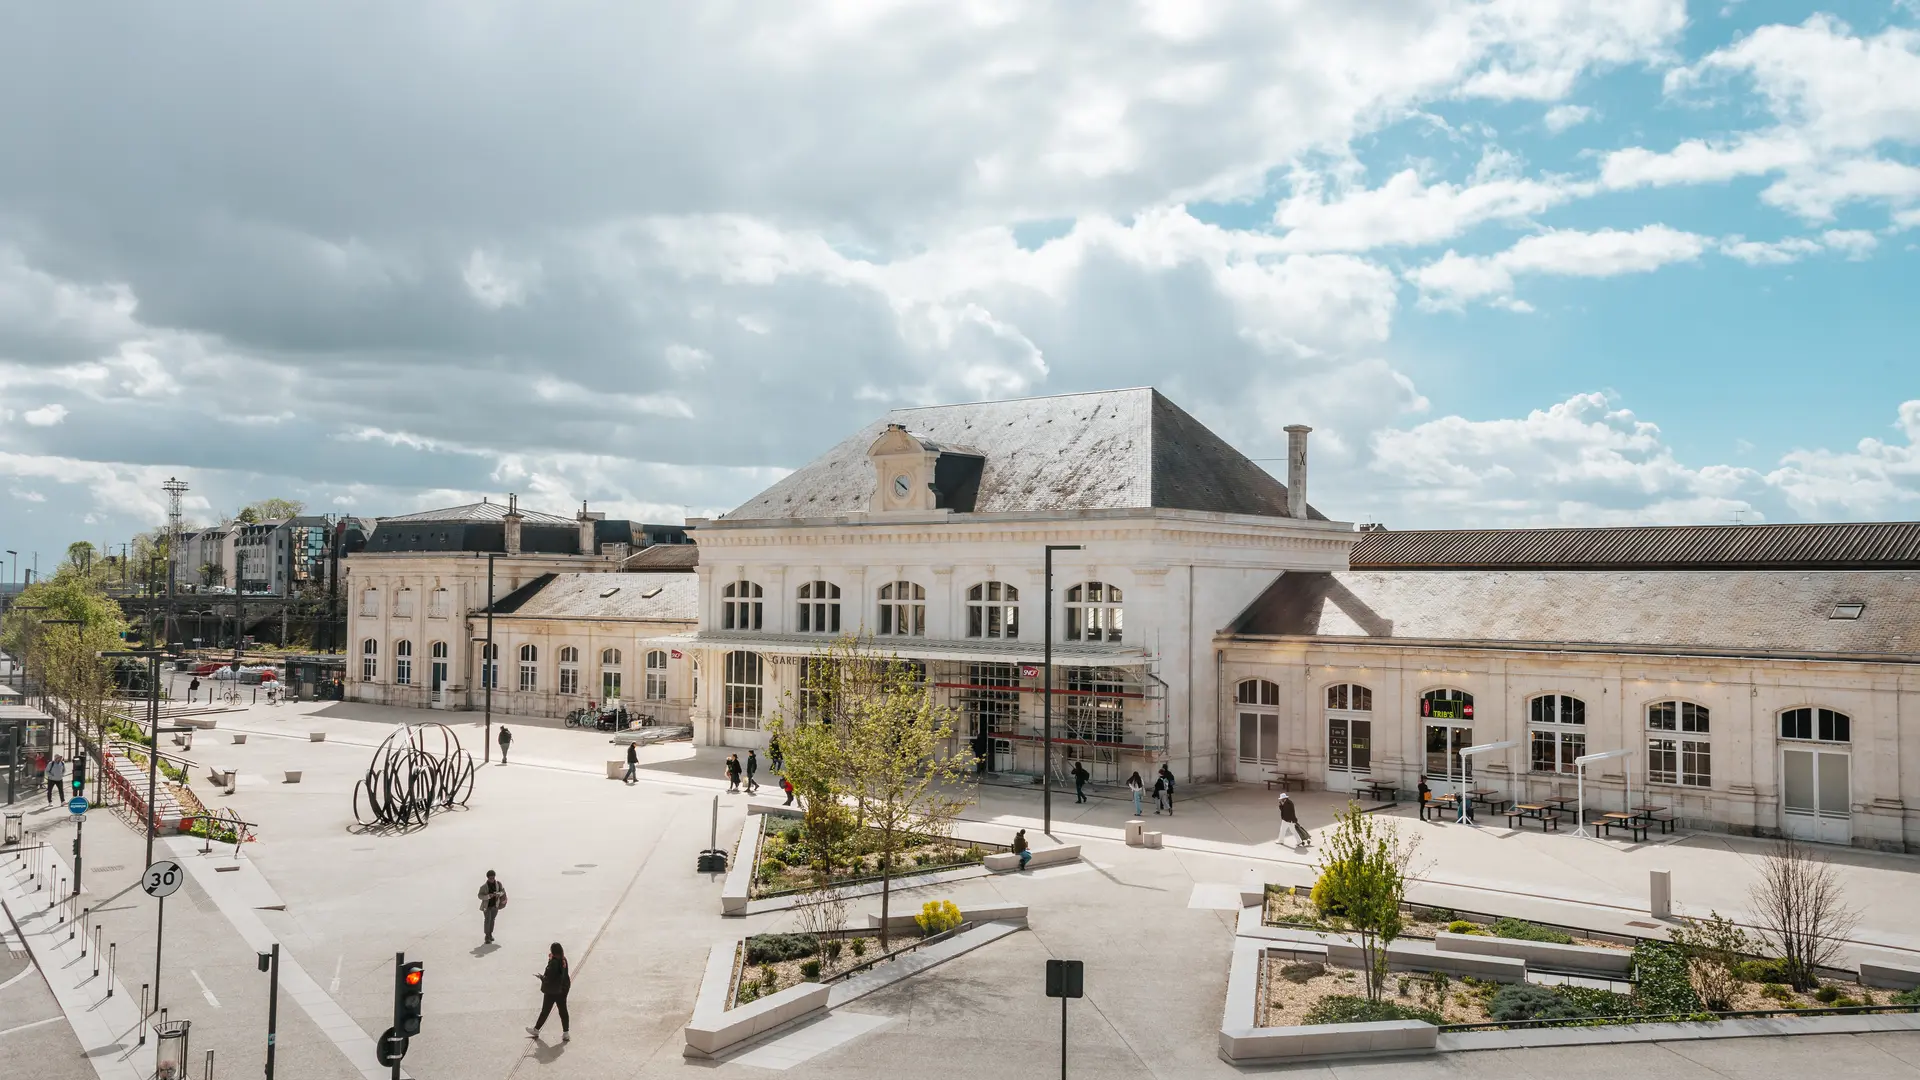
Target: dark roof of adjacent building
column 643, row 597
column 475, row 513
column 663, row 558
column 1721, row 612
column 1878, row 545
column 1117, row 449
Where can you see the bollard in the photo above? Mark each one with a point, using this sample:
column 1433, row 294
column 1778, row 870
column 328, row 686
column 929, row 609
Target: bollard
column 96, row 950
column 206, row 1073
column 1660, row 894
column 111, row 947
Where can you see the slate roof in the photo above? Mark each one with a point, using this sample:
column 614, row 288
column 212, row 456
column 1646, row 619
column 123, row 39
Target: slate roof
column 477, row 512
column 1766, row 612
column 663, row 558
column 1117, row 449
column 1876, row 545
column 647, row 597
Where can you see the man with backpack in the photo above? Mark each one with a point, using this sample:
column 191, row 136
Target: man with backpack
column 493, row 897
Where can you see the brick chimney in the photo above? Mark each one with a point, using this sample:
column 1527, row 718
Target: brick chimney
column 1297, row 470
column 512, row 523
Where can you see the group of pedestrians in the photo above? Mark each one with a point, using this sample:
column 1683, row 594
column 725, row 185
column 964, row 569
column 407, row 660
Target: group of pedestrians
column 556, row 980
column 1162, row 790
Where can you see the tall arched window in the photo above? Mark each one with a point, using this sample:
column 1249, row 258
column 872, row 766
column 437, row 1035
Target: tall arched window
column 438, row 671
column 529, row 668
column 1259, row 709
column 993, row 610
column 740, row 606
column 744, row 686
column 903, row 609
column 610, row 674
column 656, row 675
column 1448, row 717
column 1820, row 725
column 369, row 660
column 1093, row 612
column 1349, row 736
column 490, row 666
column 402, row 663
column 1679, row 749
column 1557, row 732
column 819, row 608
column 569, row 670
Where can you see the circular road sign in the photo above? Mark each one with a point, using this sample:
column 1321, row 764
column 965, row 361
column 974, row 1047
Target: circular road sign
column 77, row 805
column 163, row 878
column 390, row 1048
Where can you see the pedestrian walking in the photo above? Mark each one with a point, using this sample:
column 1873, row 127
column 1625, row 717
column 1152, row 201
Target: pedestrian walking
column 1167, row 775
column 56, row 772
column 1134, row 785
column 786, row 785
column 505, row 740
column 753, row 766
column 1159, row 794
column 776, row 758
column 493, row 897
column 1290, row 821
column 733, row 773
column 1020, row 848
column 555, row 982
column 193, row 688
column 633, row 762
column 1080, row 777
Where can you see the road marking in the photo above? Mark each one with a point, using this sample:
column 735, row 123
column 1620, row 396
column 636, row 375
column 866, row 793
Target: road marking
column 334, row 986
column 35, row 1024
column 21, row 974
column 208, row 994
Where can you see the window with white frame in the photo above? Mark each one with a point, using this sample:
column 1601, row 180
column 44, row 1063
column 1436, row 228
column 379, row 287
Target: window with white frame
column 819, row 608
column 403, row 604
column 370, row 603
column 402, row 663
column 439, row 604
column 740, row 606
column 903, row 609
column 529, row 668
column 1258, row 707
column 1093, row 612
column 1819, row 725
column 569, row 670
column 1350, row 697
column 369, row 660
column 610, row 674
column 656, row 675
column 490, row 666
column 1557, row 732
column 1678, row 748
column 993, row 610
column 744, row 686
column 1096, row 708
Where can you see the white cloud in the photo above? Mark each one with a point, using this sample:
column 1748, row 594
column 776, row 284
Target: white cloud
column 496, row 282
column 1769, row 253
column 1561, row 117
column 1877, row 479
column 27, row 496
column 45, row 415
column 1454, row 279
column 1407, row 212
column 1853, row 243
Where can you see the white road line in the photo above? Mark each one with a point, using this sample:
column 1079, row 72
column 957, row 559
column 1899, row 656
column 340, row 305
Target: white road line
column 208, row 994
column 334, row 986
column 35, row 1024
column 21, row 974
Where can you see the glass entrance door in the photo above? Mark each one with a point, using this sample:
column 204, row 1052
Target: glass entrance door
column 1444, row 743
column 1349, row 751
column 1816, row 795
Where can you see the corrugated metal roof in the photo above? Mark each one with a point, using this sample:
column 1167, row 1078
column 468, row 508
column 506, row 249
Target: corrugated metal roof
column 1879, row 545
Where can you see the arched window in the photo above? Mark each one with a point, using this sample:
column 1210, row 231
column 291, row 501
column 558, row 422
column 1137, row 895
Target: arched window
column 1448, row 717
column 610, row 675
column 993, row 610
column 1557, row 732
column 1093, row 612
column 569, row 670
column 1820, row 725
column 1679, row 750
column 529, row 669
column 1259, row 709
column 740, row 604
column 744, row 687
column 369, row 660
column 819, row 608
column 1349, row 697
column 656, row 675
column 1349, row 737
column 402, row 663
column 903, row 609
column 490, row 666
column 439, row 650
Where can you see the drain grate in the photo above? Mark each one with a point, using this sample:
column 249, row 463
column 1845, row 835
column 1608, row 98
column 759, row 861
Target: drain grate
column 107, row 869
column 1648, row 925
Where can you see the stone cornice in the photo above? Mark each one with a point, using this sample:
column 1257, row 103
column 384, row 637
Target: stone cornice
column 1211, row 534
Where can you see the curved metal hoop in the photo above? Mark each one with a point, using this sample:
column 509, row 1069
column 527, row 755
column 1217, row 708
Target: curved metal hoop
column 416, row 770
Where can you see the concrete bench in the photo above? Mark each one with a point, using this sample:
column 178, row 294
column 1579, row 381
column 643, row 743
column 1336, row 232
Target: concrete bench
column 293, row 776
column 1583, row 959
column 1422, row 956
column 1154, row 839
column 1005, row 913
column 220, row 777
column 616, row 770
column 316, row 736
column 708, row 1035
column 239, row 738
column 1001, row 862
column 1246, row 1046
column 1890, row 976
column 735, row 891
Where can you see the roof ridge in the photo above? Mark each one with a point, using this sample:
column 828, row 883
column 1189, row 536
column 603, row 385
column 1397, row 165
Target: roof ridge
column 1030, row 397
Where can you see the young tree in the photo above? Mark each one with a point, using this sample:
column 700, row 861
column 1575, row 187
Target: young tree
column 1364, row 865
column 60, row 625
column 1714, row 948
column 1797, row 906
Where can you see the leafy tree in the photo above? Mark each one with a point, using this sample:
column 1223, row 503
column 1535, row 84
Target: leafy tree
column 213, row 573
column 59, row 626
column 1363, row 881
column 273, row 509
column 81, row 556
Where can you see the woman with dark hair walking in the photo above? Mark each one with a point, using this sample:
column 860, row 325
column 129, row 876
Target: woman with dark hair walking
column 554, row 984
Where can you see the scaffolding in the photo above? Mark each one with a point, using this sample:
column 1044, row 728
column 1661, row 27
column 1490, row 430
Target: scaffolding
column 1105, row 717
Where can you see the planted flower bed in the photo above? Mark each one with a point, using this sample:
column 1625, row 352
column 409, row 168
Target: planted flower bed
column 770, row 963
column 790, row 862
column 1295, row 907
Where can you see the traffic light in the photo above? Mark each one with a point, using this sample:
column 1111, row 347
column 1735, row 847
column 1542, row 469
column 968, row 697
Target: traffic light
column 79, row 775
column 407, row 976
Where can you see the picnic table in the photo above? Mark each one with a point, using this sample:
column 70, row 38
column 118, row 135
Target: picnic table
column 1436, row 803
column 1656, row 815
column 1562, row 803
column 1489, row 798
column 1635, row 824
column 1287, row 781
column 1545, row 815
column 1381, row 789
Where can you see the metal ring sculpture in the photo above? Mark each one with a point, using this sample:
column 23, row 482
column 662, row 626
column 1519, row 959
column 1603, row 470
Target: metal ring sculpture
column 410, row 777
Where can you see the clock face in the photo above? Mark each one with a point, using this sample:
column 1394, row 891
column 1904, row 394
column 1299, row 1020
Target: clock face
column 901, row 486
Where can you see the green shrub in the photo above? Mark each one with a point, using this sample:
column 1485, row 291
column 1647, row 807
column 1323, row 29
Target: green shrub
column 1777, row 991
column 748, row 992
column 1349, row 1009
column 1905, row 997
column 769, row 978
column 859, row 947
column 1592, row 1001
column 937, row 917
column 1826, row 994
column 833, row 948
column 810, row 970
column 1323, row 891
column 1522, row 930
column 1461, row 926
column 1662, row 980
column 775, row 948
column 1762, row 971
column 1526, row 1001
column 793, row 834
column 1845, row 1002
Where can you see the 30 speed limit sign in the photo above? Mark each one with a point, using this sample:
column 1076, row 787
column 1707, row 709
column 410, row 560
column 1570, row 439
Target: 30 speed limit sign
column 162, row 878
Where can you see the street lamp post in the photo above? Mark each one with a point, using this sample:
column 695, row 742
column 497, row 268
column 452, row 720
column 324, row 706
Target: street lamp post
column 1046, row 731
column 152, row 657
column 487, row 670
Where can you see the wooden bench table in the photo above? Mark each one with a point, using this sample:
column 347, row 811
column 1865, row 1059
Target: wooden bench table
column 1548, row 818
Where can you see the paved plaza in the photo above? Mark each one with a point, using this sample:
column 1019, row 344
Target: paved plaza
column 607, row 869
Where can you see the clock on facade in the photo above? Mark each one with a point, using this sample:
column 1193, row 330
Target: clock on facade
column 901, row 486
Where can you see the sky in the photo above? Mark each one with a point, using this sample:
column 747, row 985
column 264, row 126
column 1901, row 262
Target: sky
column 1518, row 262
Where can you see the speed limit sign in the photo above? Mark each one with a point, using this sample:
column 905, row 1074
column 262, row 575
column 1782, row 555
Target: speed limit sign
column 162, row 878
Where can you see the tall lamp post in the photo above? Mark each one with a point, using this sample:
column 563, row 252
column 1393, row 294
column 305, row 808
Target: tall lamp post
column 1046, row 731
column 488, row 673
column 152, row 657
